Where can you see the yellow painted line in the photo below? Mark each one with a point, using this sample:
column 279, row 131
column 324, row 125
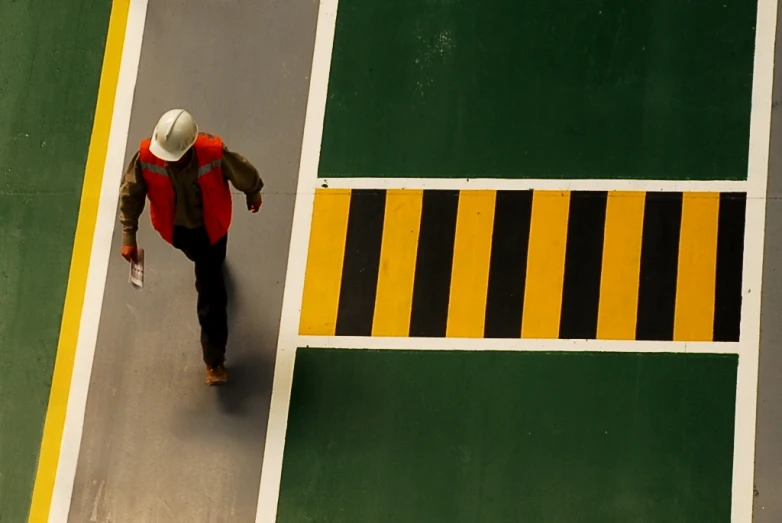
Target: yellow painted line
column 398, row 252
column 545, row 264
column 80, row 264
column 618, row 308
column 323, row 276
column 471, row 258
column 696, row 281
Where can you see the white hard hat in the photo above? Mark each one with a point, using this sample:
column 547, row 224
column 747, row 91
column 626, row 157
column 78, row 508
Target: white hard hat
column 175, row 133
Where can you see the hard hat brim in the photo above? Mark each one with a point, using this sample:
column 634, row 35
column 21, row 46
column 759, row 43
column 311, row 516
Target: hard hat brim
column 165, row 155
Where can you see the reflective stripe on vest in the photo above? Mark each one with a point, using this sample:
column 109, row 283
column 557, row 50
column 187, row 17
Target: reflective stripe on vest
column 202, row 170
column 206, row 169
column 151, row 167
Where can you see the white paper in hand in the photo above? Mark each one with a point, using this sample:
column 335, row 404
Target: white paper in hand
column 137, row 270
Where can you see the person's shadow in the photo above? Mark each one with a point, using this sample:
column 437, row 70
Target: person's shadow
column 248, row 366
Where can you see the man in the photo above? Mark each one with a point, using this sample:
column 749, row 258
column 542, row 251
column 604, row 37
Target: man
column 185, row 175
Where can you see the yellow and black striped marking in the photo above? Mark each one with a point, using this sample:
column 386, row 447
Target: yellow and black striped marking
column 525, row 264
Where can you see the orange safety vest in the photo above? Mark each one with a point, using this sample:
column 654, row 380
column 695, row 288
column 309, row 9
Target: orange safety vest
column 216, row 194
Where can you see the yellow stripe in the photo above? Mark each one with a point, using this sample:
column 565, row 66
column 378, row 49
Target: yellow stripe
column 696, row 280
column 621, row 266
column 80, row 263
column 545, row 264
column 470, row 275
column 398, row 252
column 326, row 254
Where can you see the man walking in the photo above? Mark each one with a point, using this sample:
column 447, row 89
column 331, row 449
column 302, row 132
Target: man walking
column 185, row 175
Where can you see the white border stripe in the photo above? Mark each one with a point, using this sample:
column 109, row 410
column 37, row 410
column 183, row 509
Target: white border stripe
column 524, row 345
column 502, row 184
column 747, row 387
column 269, row 489
column 99, row 262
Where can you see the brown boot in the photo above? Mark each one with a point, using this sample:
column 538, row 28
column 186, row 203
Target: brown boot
column 216, row 375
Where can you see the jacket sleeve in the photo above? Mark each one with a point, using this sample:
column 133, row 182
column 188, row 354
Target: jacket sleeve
column 242, row 175
column 132, row 198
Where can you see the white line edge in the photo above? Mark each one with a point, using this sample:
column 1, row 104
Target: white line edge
column 271, row 470
column 513, row 345
column 540, row 185
column 99, row 261
column 747, row 379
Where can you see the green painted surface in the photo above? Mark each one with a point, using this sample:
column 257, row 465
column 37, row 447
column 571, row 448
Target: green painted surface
column 529, row 89
column 419, row 437
column 51, row 53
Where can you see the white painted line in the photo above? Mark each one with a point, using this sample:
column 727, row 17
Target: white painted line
column 520, row 345
column 747, row 387
column 271, row 471
column 99, row 262
column 566, row 185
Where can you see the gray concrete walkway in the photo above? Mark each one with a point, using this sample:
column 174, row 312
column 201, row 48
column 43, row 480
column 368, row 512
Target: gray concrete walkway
column 159, row 446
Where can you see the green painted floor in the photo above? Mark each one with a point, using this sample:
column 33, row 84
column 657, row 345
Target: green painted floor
column 390, row 436
column 521, row 89
column 430, row 88
column 51, row 54
column 595, row 89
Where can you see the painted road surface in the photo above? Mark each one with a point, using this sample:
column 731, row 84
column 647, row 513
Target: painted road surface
column 520, row 89
column 660, row 266
column 468, row 436
column 485, row 349
column 48, row 92
column 586, row 305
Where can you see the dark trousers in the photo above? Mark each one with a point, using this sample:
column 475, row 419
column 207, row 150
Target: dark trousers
column 210, row 284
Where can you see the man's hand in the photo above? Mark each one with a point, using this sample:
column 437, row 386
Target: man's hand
column 130, row 252
column 256, row 205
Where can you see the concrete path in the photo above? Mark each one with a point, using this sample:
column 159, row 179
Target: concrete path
column 157, row 445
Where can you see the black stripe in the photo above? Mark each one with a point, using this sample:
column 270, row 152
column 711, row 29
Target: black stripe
column 508, row 266
column 362, row 261
column 730, row 262
column 583, row 264
column 659, row 266
column 434, row 263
